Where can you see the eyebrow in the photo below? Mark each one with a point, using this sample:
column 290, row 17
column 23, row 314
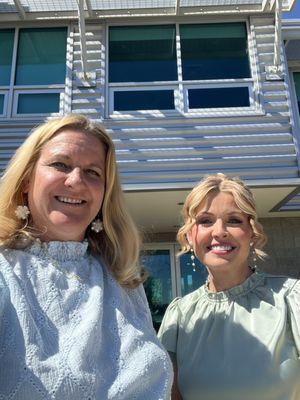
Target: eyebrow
column 66, row 157
column 230, row 213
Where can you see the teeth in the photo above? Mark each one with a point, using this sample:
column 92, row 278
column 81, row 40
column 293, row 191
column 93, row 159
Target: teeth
column 221, row 248
column 68, row 200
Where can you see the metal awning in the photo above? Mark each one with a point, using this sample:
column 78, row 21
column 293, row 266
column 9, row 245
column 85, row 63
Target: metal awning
column 57, row 9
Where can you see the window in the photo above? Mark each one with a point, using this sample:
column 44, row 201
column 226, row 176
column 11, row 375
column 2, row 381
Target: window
column 2, row 98
column 6, row 53
column 179, row 68
column 32, row 70
column 168, row 276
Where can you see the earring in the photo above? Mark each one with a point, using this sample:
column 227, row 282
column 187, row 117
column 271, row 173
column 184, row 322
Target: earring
column 97, row 226
column 22, row 212
column 193, row 259
column 253, row 256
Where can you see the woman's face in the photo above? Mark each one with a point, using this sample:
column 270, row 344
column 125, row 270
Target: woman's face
column 66, row 189
column 222, row 234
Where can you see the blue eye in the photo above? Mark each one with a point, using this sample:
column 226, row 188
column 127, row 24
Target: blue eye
column 60, row 165
column 93, row 172
column 235, row 221
column 204, row 221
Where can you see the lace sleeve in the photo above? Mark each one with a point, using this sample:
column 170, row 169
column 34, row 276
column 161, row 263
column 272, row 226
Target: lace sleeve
column 293, row 301
column 4, row 294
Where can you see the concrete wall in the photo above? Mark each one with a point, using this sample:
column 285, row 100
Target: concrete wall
column 283, row 246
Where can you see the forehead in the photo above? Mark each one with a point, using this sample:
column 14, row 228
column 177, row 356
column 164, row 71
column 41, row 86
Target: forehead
column 70, row 142
column 220, row 201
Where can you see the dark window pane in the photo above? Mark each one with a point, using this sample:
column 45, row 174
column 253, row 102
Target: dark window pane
column 158, row 286
column 219, row 97
column 6, row 51
column 191, row 279
column 144, row 100
column 297, row 87
column 38, row 103
column 41, row 56
column 214, row 51
column 142, row 53
column 1, row 103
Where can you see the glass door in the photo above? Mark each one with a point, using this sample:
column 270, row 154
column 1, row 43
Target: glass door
column 168, row 277
column 160, row 286
column 191, row 277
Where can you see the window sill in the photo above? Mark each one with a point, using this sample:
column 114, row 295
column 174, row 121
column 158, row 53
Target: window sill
column 195, row 114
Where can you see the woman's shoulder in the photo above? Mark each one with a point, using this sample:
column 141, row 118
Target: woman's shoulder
column 185, row 303
column 281, row 283
column 10, row 257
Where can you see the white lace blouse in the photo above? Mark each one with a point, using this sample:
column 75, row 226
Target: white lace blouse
column 68, row 330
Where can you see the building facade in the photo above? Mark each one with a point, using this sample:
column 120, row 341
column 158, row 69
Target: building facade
column 185, row 88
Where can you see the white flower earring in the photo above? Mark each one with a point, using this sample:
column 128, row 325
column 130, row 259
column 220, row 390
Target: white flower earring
column 97, row 225
column 22, row 212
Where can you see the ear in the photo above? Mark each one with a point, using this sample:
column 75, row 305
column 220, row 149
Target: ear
column 189, row 237
column 25, row 186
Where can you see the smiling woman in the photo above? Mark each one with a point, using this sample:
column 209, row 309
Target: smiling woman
column 71, row 295
column 238, row 336
column 66, row 190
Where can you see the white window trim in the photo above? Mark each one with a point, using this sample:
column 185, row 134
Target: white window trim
column 137, row 88
column 180, row 86
column 5, row 93
column 13, row 90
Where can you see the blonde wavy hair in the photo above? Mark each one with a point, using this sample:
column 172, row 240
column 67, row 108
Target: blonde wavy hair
column 119, row 242
column 243, row 198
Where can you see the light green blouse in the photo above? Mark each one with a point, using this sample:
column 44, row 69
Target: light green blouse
column 240, row 344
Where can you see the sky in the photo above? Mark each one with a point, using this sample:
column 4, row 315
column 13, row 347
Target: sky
column 295, row 13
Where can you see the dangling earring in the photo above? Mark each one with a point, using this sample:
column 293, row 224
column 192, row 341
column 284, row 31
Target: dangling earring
column 97, row 225
column 193, row 259
column 22, row 212
column 253, row 256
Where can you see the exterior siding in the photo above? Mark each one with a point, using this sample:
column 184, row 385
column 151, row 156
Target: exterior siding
column 175, row 150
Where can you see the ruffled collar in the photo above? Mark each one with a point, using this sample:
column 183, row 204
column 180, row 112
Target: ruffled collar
column 230, row 294
column 59, row 251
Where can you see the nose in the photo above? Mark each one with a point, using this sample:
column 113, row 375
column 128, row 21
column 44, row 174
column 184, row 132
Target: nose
column 74, row 178
column 219, row 229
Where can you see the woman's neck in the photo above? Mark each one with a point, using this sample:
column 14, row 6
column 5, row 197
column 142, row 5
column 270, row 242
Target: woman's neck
column 218, row 281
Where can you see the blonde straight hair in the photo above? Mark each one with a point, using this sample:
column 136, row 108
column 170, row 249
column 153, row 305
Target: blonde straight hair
column 243, row 198
column 118, row 244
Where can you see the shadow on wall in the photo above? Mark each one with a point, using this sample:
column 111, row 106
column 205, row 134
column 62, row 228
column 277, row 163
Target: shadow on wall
column 283, row 246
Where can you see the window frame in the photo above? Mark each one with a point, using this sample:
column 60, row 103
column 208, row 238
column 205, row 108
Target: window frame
column 17, row 92
column 181, row 87
column 12, row 90
column 3, row 92
column 296, row 112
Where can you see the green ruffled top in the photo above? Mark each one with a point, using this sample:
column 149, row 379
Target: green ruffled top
column 238, row 344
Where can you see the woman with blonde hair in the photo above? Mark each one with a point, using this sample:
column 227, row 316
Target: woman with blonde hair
column 74, row 319
column 238, row 336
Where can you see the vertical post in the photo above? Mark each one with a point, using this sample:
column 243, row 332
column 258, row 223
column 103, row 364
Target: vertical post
column 277, row 41
column 275, row 72
column 81, row 24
